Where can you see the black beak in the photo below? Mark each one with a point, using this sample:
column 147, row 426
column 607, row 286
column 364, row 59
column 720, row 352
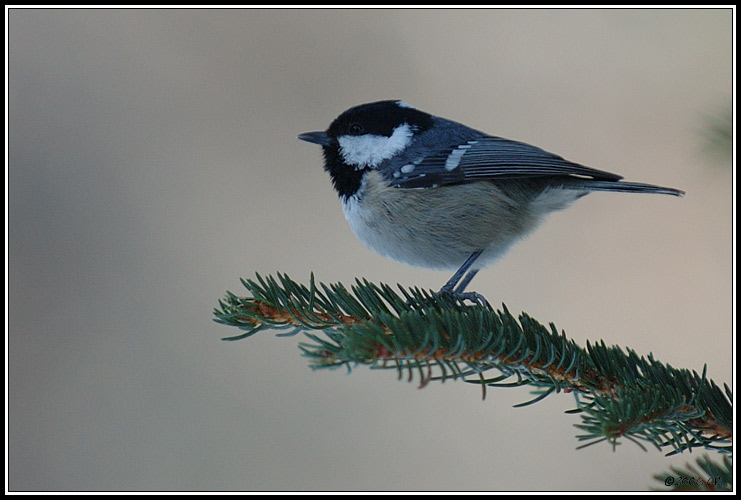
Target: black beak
column 320, row 138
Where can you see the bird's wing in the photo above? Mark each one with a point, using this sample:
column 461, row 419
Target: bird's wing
column 486, row 158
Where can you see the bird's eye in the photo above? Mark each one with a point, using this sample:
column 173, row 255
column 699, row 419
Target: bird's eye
column 356, row 129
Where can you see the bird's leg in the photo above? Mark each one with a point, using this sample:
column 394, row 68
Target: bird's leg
column 449, row 287
column 465, row 281
column 457, row 284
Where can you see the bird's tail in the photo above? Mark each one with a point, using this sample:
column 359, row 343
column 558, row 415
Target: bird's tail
column 625, row 187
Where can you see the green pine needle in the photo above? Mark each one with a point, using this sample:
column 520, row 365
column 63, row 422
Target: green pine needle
column 431, row 337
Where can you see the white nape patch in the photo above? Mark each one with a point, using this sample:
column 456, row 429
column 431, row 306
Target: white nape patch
column 407, row 169
column 370, row 150
column 404, row 104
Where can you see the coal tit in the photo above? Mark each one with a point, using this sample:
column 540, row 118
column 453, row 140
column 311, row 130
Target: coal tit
column 431, row 192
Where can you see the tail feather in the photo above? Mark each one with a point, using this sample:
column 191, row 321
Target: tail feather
column 625, row 187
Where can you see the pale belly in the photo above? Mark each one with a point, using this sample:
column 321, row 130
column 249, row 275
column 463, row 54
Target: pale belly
column 432, row 228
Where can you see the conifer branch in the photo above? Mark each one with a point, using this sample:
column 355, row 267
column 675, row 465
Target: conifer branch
column 434, row 337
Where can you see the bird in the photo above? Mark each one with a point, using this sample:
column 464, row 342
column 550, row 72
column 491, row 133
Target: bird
column 431, row 192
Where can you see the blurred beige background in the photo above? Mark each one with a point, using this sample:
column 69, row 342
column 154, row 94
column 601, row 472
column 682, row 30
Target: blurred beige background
column 153, row 161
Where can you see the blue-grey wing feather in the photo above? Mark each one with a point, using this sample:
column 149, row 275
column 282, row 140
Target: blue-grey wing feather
column 486, row 158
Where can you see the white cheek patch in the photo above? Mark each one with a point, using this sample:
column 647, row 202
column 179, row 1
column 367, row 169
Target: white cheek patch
column 370, row 150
